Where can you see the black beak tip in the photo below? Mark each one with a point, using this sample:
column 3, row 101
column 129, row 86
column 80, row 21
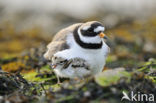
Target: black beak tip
column 105, row 37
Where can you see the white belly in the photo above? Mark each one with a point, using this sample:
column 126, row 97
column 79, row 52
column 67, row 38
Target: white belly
column 96, row 63
column 95, row 59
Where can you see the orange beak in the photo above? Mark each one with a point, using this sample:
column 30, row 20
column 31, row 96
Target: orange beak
column 102, row 35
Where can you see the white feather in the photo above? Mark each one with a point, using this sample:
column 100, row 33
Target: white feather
column 99, row 28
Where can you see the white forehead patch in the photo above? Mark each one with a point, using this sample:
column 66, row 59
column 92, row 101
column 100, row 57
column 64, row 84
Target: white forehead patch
column 85, row 27
column 99, row 28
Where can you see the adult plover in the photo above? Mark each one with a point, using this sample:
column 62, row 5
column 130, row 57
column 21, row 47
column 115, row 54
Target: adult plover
column 78, row 50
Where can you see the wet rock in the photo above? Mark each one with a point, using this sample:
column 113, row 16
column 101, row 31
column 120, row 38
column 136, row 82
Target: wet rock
column 11, row 82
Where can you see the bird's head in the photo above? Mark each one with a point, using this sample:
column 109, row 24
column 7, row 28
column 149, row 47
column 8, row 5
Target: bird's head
column 91, row 32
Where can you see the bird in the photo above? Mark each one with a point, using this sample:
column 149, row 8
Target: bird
column 73, row 68
column 78, row 50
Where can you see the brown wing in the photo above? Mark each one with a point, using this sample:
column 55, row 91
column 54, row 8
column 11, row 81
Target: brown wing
column 59, row 41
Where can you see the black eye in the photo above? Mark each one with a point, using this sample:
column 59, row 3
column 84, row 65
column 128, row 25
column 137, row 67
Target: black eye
column 90, row 30
column 55, row 57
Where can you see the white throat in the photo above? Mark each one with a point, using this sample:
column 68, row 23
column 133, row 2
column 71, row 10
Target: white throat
column 92, row 40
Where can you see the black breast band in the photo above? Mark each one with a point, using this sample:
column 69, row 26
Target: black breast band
column 85, row 45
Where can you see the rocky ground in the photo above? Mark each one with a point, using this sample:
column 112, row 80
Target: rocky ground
column 26, row 77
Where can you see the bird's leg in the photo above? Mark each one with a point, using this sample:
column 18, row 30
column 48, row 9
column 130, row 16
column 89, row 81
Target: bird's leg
column 58, row 79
